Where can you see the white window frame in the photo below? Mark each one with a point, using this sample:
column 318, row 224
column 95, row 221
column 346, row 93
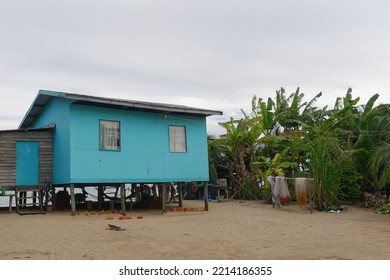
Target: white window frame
column 177, row 139
column 110, row 135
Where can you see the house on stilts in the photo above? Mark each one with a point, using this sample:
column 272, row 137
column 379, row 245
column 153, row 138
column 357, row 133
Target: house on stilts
column 100, row 142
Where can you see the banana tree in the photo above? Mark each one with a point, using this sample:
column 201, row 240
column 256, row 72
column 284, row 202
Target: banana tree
column 239, row 144
column 277, row 166
column 263, row 110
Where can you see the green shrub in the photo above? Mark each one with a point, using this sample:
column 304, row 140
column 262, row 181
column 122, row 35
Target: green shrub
column 350, row 183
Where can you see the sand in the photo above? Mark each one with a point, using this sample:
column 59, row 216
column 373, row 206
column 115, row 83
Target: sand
column 230, row 230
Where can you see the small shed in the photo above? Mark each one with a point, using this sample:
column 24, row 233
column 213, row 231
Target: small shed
column 26, row 158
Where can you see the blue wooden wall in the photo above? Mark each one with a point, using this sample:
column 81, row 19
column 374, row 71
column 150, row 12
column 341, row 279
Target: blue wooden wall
column 58, row 112
column 144, row 156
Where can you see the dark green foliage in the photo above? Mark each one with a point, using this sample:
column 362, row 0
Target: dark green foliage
column 350, row 183
column 342, row 149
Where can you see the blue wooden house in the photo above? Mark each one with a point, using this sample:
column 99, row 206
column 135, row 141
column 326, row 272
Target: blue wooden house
column 103, row 141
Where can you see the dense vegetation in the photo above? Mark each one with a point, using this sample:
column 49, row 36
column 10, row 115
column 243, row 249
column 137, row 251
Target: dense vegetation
column 344, row 149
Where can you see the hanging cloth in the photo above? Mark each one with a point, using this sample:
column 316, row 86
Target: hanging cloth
column 301, row 191
column 275, row 193
column 281, row 186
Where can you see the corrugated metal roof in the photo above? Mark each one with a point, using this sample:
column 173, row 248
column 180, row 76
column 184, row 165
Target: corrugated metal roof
column 51, row 126
column 44, row 96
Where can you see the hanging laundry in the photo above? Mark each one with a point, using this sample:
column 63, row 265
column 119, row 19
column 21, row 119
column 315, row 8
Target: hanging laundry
column 301, row 191
column 281, row 185
column 275, row 194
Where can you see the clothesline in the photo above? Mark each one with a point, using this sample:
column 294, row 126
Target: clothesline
column 280, row 192
column 274, row 177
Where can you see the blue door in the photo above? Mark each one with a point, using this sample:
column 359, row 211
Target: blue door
column 27, row 167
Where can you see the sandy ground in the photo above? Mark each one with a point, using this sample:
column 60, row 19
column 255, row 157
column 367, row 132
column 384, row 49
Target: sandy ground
column 230, row 230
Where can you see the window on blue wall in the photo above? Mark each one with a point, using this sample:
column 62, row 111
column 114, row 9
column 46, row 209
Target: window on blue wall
column 177, row 139
column 110, row 135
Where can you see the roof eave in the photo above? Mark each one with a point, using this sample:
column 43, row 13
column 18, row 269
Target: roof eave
column 127, row 104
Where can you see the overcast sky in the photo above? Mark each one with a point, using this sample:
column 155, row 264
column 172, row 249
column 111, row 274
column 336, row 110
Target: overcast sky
column 212, row 54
